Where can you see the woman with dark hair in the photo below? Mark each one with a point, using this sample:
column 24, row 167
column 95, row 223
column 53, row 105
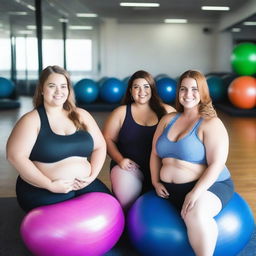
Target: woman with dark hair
column 188, row 159
column 128, row 133
column 50, row 145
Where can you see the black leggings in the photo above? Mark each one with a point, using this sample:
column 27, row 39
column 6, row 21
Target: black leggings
column 30, row 197
column 222, row 189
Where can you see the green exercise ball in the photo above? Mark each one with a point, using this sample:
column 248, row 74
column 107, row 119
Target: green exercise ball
column 243, row 59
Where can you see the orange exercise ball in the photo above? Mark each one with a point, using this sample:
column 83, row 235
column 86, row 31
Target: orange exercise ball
column 242, row 92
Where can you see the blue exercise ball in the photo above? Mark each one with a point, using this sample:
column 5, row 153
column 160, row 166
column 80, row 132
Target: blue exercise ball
column 112, row 90
column 163, row 232
column 86, row 91
column 216, row 88
column 166, row 88
column 236, row 225
column 160, row 76
column 102, row 80
column 6, row 87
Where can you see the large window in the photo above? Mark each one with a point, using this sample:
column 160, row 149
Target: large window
column 5, row 57
column 26, row 54
column 79, row 55
column 52, row 52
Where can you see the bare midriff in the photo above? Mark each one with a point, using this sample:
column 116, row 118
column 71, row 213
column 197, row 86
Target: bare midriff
column 69, row 168
column 179, row 171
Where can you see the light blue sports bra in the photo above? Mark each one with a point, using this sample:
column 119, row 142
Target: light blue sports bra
column 189, row 148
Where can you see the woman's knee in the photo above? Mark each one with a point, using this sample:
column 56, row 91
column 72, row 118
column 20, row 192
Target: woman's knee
column 118, row 173
column 126, row 185
column 123, row 179
column 207, row 206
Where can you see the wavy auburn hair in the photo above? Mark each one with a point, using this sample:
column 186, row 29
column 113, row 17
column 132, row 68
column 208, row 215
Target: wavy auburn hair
column 69, row 105
column 155, row 102
column 205, row 106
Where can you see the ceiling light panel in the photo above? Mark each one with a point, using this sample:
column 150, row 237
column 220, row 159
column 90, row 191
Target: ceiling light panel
column 215, row 8
column 86, row 15
column 249, row 23
column 236, row 30
column 128, row 4
column 80, row 27
column 176, row 21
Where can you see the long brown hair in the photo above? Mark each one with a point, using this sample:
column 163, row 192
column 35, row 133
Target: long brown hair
column 205, row 107
column 155, row 101
column 69, row 104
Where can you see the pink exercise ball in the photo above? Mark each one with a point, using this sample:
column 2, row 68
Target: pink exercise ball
column 89, row 225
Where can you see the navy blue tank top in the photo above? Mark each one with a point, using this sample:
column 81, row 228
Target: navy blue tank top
column 135, row 141
column 51, row 147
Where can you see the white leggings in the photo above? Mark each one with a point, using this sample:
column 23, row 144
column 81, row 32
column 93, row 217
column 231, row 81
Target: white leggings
column 126, row 185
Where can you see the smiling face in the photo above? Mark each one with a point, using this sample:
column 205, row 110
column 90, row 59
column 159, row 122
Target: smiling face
column 141, row 91
column 55, row 90
column 189, row 96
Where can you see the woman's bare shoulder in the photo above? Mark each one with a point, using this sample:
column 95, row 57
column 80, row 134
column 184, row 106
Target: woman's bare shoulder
column 29, row 120
column 169, row 108
column 212, row 124
column 120, row 110
column 30, row 116
column 118, row 113
column 168, row 117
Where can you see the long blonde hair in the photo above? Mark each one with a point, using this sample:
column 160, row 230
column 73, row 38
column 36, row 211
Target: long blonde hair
column 205, row 107
column 69, row 105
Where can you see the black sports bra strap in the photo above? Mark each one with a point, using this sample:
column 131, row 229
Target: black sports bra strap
column 43, row 117
column 128, row 114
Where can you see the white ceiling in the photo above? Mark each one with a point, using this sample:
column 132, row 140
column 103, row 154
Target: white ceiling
column 54, row 9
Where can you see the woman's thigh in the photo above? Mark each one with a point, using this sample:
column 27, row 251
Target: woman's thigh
column 224, row 190
column 126, row 185
column 30, row 197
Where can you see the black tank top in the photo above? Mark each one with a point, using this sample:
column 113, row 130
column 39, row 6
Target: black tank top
column 51, row 147
column 135, row 141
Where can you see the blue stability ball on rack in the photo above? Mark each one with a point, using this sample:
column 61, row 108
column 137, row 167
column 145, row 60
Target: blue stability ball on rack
column 216, row 88
column 102, row 80
column 6, row 87
column 86, row 91
column 112, row 90
column 160, row 76
column 166, row 88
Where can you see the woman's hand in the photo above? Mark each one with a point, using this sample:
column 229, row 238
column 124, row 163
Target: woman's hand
column 128, row 164
column 189, row 203
column 161, row 190
column 61, row 186
column 80, row 183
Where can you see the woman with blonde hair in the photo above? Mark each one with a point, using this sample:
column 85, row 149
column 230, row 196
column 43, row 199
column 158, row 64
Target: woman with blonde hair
column 189, row 153
column 50, row 146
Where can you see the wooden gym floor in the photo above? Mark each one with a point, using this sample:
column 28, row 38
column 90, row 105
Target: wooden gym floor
column 241, row 161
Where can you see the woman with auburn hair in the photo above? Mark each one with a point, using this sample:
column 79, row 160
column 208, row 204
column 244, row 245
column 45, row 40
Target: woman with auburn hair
column 189, row 153
column 50, row 145
column 129, row 132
